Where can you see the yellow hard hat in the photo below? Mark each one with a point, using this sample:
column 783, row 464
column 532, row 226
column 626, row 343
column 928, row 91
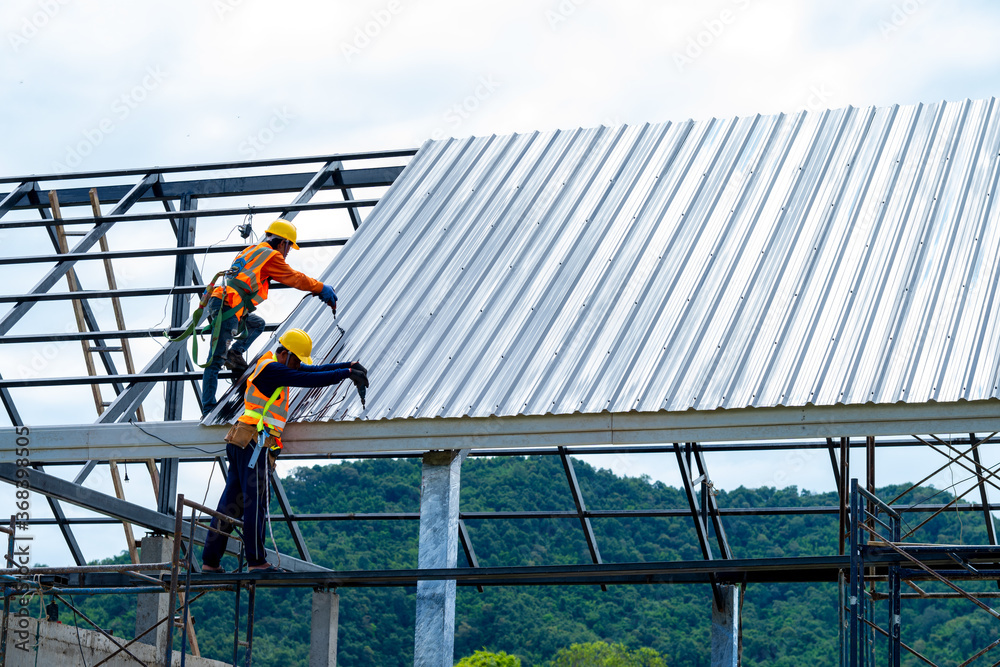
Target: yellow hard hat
column 298, row 343
column 285, row 230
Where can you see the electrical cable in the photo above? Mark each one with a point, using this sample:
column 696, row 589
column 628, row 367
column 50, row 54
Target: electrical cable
column 153, row 435
column 76, row 622
column 166, row 301
column 267, row 504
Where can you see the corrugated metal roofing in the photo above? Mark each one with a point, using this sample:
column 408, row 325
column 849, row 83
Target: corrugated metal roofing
column 844, row 256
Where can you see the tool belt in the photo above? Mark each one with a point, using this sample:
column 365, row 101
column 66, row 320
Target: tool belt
column 242, row 434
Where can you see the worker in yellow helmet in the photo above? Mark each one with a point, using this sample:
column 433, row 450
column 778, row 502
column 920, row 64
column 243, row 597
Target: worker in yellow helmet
column 246, row 287
column 265, row 412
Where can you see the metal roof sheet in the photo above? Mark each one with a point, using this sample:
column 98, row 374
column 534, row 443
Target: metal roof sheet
column 844, row 256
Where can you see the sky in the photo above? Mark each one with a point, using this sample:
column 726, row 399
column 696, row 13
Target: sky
column 113, row 85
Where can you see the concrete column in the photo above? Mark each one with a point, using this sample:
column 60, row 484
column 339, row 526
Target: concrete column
column 323, row 637
column 434, row 641
column 726, row 629
column 151, row 607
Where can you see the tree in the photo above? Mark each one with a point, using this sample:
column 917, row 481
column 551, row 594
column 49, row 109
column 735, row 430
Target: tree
column 602, row 654
column 486, row 658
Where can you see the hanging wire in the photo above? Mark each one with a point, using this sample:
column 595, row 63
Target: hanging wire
column 166, row 302
column 267, row 504
column 246, row 229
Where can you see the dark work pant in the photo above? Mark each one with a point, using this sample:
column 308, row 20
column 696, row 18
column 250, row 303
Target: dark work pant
column 245, row 497
column 228, row 329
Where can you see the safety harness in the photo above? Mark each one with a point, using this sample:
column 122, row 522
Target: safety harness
column 246, row 301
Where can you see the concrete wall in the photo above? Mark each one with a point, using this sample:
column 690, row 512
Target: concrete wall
column 57, row 645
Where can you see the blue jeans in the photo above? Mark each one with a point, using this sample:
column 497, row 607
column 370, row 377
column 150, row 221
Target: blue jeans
column 245, row 497
column 210, row 380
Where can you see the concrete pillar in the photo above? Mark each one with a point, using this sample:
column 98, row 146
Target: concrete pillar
column 151, row 607
column 323, row 637
column 434, row 640
column 726, row 629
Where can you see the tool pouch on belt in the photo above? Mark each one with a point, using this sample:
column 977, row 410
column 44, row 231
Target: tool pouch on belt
column 241, row 434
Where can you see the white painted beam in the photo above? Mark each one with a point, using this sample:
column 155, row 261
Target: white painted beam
column 84, row 442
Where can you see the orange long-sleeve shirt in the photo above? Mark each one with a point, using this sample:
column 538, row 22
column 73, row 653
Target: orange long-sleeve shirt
column 276, row 268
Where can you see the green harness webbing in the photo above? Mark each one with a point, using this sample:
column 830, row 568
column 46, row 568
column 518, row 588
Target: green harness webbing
column 261, row 433
column 215, row 325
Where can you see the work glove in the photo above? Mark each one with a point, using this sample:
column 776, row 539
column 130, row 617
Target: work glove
column 329, row 297
column 359, row 376
column 272, row 456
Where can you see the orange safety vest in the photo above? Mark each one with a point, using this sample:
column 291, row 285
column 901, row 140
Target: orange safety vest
column 265, row 411
column 248, row 265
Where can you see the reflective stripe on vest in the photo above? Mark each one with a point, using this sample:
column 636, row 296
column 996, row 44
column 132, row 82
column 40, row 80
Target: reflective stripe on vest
column 259, row 409
column 250, row 261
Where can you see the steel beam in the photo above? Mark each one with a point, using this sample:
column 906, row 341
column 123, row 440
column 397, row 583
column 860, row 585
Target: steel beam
column 338, row 179
column 812, row 510
column 700, row 528
column 57, row 511
column 63, row 267
column 184, row 271
column 215, row 212
column 215, row 166
column 991, row 530
column 108, row 293
column 845, row 469
column 581, row 509
column 286, row 509
column 123, row 407
column 711, row 503
column 64, row 527
column 92, row 500
column 156, row 252
column 166, row 500
column 137, row 378
column 11, row 199
column 9, row 406
column 98, row 335
column 466, row 540
column 612, row 431
column 311, row 188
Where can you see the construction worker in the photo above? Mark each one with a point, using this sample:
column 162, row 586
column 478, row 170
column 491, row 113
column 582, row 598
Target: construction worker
column 247, row 489
column 245, row 289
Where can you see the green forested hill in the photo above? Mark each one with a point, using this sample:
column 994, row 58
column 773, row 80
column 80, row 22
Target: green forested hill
column 783, row 624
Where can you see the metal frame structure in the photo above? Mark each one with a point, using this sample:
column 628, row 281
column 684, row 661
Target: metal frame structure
column 171, row 441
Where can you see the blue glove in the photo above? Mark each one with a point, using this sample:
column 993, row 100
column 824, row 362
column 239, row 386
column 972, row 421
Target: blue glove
column 328, row 296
